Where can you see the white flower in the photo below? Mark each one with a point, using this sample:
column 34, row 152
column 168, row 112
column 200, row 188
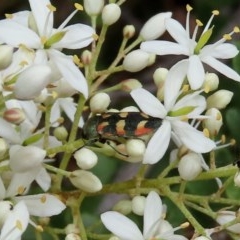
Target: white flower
column 172, row 113
column 49, row 41
column 126, row 229
column 197, row 52
column 15, row 223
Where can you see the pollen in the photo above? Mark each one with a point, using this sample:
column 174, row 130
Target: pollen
column 189, row 8
column 8, row 16
column 43, row 40
column 20, row 190
column 199, row 23
column 206, row 88
column 43, row 199
column 51, row 8
column 232, row 142
column 223, row 138
column 227, row 37
column 215, row 12
column 206, row 132
column 95, row 36
column 78, row 6
column 19, row 225
column 185, row 225
column 39, row 228
column 236, row 29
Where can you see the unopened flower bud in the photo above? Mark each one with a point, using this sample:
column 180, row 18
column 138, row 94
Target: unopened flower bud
column 86, row 57
column 138, row 205
column 130, row 109
column 32, row 81
column 214, row 122
column 110, row 13
column 85, row 158
column 71, row 228
column 123, row 206
column 136, row 61
column 155, row 26
column 211, row 81
column 60, row 133
column 5, row 208
column 237, row 179
column 14, row 115
column 30, row 156
column 128, row 31
column 224, row 217
column 173, row 155
column 85, row 181
column 6, row 53
column 3, row 147
column 93, row 7
column 135, row 147
column 72, row 236
column 159, row 76
column 219, row 99
column 130, row 84
column 99, row 102
column 189, row 166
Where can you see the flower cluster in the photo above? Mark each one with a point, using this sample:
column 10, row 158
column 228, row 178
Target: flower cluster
column 61, row 141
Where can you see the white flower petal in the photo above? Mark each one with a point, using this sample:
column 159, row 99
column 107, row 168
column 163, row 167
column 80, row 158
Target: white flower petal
column 196, row 73
column 8, row 132
column 192, row 138
column 20, row 182
column 76, row 36
column 55, row 112
column 148, row 103
column 152, row 214
column 14, row 34
column 43, row 179
column 19, row 216
column 222, row 51
column 193, row 100
column 43, row 16
column 177, row 31
column 42, row 205
column 173, row 83
column 2, row 189
column 158, row 144
column 222, row 68
column 163, row 48
column 70, row 71
column 121, row 226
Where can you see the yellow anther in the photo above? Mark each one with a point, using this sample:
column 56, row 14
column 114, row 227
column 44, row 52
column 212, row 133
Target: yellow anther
column 232, row 141
column 227, row 37
column 43, row 199
column 39, row 228
column 185, row 225
column 184, row 118
column 236, row 29
column 23, row 63
column 51, row 8
column 206, row 88
column 185, row 88
column 43, row 40
column 223, row 138
column 95, row 36
column 78, row 6
column 206, row 132
column 199, row 23
column 54, row 94
column 20, row 190
column 8, row 16
column 215, row 12
column 219, row 116
column 77, row 61
column 19, row 225
column 189, row 8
